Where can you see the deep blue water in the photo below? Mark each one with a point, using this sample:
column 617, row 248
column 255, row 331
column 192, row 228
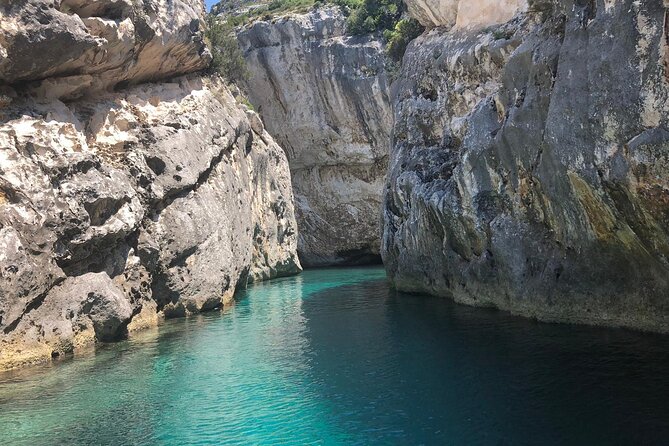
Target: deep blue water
column 335, row 357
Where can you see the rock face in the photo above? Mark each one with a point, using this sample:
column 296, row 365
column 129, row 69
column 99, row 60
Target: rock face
column 529, row 164
column 324, row 97
column 67, row 48
column 464, row 13
column 119, row 207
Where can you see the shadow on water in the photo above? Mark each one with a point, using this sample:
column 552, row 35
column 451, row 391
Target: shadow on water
column 335, row 357
column 400, row 368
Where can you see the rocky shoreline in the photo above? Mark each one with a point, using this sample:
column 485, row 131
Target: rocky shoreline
column 121, row 207
column 528, row 168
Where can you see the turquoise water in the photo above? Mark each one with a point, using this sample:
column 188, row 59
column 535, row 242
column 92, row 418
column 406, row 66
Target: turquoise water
column 335, row 357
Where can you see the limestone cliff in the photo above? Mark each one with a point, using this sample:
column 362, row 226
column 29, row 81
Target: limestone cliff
column 324, row 97
column 122, row 206
column 67, row 48
column 529, row 162
column 464, row 13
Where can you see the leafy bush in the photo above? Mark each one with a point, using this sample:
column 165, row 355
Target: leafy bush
column 289, row 5
column 369, row 16
column 238, row 20
column 228, row 60
column 404, row 32
column 346, row 5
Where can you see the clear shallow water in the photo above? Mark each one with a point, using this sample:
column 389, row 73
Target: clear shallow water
column 335, row 357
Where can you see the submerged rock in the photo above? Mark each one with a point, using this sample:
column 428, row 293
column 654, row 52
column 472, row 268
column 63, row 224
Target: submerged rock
column 324, row 97
column 529, row 164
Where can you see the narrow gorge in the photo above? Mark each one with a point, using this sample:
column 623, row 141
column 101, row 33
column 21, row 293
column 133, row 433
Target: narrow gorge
column 519, row 162
column 324, row 96
column 334, row 222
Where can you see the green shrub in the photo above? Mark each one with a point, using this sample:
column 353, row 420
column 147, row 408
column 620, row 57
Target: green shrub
column 347, row 6
column 228, row 60
column 368, row 16
column 238, row 20
column 284, row 6
column 397, row 39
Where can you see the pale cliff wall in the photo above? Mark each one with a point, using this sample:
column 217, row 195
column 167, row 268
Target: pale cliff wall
column 464, row 13
column 324, row 97
column 529, row 163
column 68, row 48
column 123, row 206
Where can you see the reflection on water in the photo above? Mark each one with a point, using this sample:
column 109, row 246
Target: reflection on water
column 335, row 357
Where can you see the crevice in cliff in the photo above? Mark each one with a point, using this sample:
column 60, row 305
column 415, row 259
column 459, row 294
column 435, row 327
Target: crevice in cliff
column 664, row 49
column 33, row 305
column 202, row 178
column 359, row 257
column 586, row 11
column 180, row 260
column 86, row 9
column 262, row 58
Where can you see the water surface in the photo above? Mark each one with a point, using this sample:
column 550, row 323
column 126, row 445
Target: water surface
column 335, row 357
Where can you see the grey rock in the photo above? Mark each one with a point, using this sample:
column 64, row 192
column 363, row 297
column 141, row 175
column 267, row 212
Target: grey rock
column 528, row 170
column 70, row 48
column 324, row 97
column 93, row 296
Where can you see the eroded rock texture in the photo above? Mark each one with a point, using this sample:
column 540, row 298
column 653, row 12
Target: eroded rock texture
column 464, row 13
column 161, row 198
column 120, row 207
column 530, row 164
column 324, row 97
column 67, row 48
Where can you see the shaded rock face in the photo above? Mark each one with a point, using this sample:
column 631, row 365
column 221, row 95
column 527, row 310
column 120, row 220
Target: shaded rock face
column 121, row 207
column 68, row 48
column 529, row 165
column 324, row 97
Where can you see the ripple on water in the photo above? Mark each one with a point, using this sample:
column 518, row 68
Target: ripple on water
column 336, row 357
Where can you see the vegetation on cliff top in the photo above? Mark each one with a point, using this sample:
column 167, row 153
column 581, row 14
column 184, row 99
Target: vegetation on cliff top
column 368, row 16
column 228, row 60
column 363, row 17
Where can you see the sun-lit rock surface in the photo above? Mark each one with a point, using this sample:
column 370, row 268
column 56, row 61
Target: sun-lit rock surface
column 464, row 13
column 67, row 48
column 122, row 206
column 165, row 190
column 324, row 97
